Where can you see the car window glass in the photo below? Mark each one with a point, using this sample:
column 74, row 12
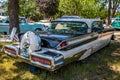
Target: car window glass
column 21, row 20
column 69, row 25
column 118, row 19
column 97, row 26
column 7, row 21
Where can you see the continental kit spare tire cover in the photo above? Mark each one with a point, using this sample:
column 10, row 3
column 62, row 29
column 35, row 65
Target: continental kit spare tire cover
column 30, row 43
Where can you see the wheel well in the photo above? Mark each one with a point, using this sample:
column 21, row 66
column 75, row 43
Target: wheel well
column 20, row 36
column 45, row 43
column 4, row 33
column 38, row 29
column 113, row 37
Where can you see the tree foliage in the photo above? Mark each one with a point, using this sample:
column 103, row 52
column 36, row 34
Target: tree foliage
column 2, row 2
column 3, row 5
column 28, row 9
column 47, row 7
column 57, row 8
column 84, row 8
column 114, row 7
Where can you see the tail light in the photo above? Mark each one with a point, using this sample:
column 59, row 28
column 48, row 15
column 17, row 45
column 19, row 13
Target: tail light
column 41, row 60
column 10, row 50
column 62, row 45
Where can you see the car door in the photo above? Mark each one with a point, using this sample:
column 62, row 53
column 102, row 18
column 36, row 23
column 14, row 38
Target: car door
column 100, row 42
column 25, row 26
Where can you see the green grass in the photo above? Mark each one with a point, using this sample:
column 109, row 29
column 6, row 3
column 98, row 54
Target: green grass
column 103, row 65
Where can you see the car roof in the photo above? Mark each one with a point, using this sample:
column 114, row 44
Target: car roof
column 70, row 17
column 79, row 20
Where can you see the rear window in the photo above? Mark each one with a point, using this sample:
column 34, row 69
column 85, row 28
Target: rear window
column 69, row 25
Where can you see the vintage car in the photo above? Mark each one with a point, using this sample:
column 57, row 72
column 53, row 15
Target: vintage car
column 24, row 26
column 2, row 18
column 65, row 41
column 116, row 22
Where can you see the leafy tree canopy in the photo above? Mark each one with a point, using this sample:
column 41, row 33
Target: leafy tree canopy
column 47, row 7
column 28, row 9
column 57, row 8
column 84, row 8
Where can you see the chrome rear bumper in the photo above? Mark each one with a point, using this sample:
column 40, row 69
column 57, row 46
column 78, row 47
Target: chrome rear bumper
column 55, row 60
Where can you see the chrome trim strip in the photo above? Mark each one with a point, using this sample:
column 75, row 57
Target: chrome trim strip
column 58, row 58
column 59, row 63
column 23, row 57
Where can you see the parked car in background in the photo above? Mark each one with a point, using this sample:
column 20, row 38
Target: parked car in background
column 116, row 22
column 23, row 25
column 65, row 41
column 2, row 18
column 46, row 22
column 11, row 37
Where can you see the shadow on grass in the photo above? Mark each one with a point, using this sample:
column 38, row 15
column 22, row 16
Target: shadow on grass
column 98, row 66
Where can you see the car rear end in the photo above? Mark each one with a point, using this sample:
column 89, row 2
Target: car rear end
column 12, row 50
column 45, row 58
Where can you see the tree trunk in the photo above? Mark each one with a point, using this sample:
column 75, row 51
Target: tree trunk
column 13, row 8
column 115, row 5
column 113, row 12
column 109, row 13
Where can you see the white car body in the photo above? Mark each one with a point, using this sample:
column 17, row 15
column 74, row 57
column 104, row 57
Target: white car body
column 77, row 47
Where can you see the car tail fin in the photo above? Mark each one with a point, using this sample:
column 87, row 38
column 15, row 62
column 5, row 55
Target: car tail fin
column 13, row 32
column 62, row 45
